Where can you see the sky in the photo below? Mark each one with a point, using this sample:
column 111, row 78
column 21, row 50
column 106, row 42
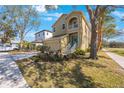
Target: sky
column 48, row 18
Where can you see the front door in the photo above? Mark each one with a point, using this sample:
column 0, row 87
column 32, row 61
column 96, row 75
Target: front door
column 73, row 38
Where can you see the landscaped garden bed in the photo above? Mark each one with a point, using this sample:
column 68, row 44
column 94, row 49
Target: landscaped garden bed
column 74, row 72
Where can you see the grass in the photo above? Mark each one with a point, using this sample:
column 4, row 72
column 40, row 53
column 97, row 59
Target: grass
column 119, row 51
column 75, row 73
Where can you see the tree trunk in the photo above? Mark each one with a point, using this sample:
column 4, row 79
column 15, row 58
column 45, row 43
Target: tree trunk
column 93, row 51
column 99, row 40
column 94, row 26
column 21, row 42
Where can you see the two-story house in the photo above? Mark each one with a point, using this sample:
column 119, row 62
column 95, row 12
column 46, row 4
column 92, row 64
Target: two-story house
column 41, row 36
column 70, row 31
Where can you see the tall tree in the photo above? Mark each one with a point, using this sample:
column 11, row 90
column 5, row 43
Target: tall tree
column 96, row 15
column 106, row 23
column 23, row 19
column 93, row 15
column 6, row 31
column 109, row 32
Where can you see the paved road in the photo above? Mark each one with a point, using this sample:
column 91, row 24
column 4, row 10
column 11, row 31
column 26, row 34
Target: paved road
column 117, row 58
column 10, row 75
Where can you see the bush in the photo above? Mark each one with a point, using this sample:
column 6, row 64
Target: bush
column 79, row 52
column 43, row 49
column 88, row 50
column 36, row 58
column 46, row 57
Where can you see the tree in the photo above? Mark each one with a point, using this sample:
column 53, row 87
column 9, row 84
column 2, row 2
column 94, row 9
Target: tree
column 6, row 31
column 94, row 14
column 109, row 30
column 106, row 24
column 97, row 15
column 23, row 19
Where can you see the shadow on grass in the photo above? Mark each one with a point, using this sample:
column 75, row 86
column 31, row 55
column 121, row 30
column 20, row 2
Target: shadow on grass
column 76, row 78
column 104, row 57
column 57, row 74
column 81, row 80
column 91, row 63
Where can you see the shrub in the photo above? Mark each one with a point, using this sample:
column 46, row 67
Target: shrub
column 53, row 57
column 88, row 50
column 43, row 49
column 79, row 52
column 35, row 58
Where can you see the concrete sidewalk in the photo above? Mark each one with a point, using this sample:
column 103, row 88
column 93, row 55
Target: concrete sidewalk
column 10, row 75
column 117, row 58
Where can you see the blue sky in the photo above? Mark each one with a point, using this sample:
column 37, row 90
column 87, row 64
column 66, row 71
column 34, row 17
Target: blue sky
column 48, row 18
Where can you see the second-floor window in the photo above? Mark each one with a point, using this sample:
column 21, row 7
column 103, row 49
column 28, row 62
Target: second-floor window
column 63, row 26
column 54, row 29
column 73, row 23
column 39, row 35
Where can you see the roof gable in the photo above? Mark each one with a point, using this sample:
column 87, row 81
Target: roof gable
column 44, row 31
column 63, row 15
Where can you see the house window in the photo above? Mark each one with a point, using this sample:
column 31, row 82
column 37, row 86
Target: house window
column 54, row 29
column 73, row 23
column 47, row 33
column 43, row 33
column 39, row 35
column 63, row 26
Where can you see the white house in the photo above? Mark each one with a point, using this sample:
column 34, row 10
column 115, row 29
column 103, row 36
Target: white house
column 9, row 46
column 41, row 36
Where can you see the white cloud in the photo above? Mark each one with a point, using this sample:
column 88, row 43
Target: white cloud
column 53, row 14
column 46, row 15
column 50, row 16
column 118, row 14
column 41, row 8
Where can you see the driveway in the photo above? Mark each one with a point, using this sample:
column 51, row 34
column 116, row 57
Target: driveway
column 117, row 58
column 10, row 75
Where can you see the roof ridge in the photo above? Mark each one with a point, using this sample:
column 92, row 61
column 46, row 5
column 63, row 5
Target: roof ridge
column 43, row 31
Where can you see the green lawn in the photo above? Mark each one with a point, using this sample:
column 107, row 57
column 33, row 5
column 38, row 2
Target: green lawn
column 119, row 51
column 75, row 73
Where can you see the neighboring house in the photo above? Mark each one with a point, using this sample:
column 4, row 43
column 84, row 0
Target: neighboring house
column 41, row 36
column 15, row 45
column 70, row 31
column 9, row 46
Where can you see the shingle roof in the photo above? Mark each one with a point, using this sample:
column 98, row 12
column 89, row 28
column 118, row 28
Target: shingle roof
column 43, row 31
